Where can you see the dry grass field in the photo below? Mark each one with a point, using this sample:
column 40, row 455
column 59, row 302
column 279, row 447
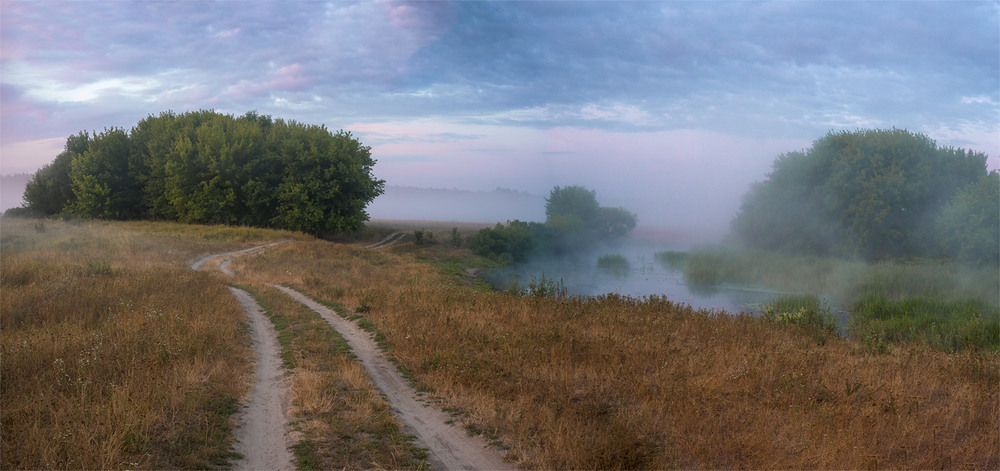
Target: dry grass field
column 116, row 355
column 616, row 383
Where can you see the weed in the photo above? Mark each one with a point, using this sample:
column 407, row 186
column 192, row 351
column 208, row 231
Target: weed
column 945, row 325
column 305, row 455
column 614, row 263
column 540, row 288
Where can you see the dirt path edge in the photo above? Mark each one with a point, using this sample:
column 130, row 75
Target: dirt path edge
column 449, row 446
column 262, row 434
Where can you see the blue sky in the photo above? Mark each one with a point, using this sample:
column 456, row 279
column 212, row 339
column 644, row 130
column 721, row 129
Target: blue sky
column 673, row 108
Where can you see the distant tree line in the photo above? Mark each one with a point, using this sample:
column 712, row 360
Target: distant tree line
column 573, row 221
column 207, row 167
column 876, row 194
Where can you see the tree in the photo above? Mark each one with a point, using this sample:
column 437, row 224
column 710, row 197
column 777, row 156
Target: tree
column 970, row 223
column 51, row 188
column 575, row 205
column 870, row 193
column 574, row 218
column 103, row 185
column 207, row 167
column 615, row 222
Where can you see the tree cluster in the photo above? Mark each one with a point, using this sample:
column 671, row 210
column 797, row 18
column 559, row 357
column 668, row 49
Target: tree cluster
column 207, row 167
column 574, row 221
column 876, row 194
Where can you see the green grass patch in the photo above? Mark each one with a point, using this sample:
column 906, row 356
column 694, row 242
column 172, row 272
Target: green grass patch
column 614, row 263
column 948, row 325
column 805, row 311
column 305, row 455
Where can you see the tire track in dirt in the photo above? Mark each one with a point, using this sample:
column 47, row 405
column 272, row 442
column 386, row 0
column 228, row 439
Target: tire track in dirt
column 449, row 446
column 262, row 433
column 262, row 436
column 201, row 261
column 388, row 240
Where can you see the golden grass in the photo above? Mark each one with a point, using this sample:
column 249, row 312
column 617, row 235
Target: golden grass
column 114, row 353
column 617, row 383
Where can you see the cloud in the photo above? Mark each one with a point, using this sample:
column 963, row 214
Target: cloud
column 785, row 71
column 289, row 78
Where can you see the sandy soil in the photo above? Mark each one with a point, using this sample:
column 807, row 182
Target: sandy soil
column 226, row 256
column 262, row 434
column 388, row 240
column 449, row 447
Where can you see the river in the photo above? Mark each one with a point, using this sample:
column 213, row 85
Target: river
column 645, row 277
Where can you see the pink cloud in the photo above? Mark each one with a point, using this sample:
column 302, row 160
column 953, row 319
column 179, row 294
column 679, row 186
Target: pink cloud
column 289, row 78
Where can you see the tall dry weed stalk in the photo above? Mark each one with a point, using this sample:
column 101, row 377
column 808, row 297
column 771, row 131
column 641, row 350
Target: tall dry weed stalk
column 617, row 383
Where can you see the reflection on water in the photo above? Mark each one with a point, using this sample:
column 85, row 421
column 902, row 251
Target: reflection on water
column 644, row 277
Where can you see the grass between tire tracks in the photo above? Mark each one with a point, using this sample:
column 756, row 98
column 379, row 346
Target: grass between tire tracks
column 340, row 420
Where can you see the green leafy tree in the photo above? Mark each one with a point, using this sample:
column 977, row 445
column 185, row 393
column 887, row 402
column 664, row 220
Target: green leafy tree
column 970, row 223
column 50, row 189
column 102, row 181
column 573, row 209
column 870, row 193
column 206, row 167
column 575, row 219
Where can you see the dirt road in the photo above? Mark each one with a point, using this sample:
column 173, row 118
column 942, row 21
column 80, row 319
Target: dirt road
column 388, row 240
column 262, row 430
column 262, row 436
column 449, row 446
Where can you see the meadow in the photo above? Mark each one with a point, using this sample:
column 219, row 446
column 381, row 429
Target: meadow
column 117, row 355
column 618, row 383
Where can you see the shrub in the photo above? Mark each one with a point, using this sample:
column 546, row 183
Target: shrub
column 504, row 243
column 801, row 310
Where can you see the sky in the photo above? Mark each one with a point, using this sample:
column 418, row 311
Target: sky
column 670, row 109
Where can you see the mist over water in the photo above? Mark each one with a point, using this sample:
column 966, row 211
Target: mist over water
column 645, row 276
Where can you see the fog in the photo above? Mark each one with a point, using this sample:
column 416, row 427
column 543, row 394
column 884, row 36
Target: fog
column 436, row 204
column 580, row 275
column 12, row 189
